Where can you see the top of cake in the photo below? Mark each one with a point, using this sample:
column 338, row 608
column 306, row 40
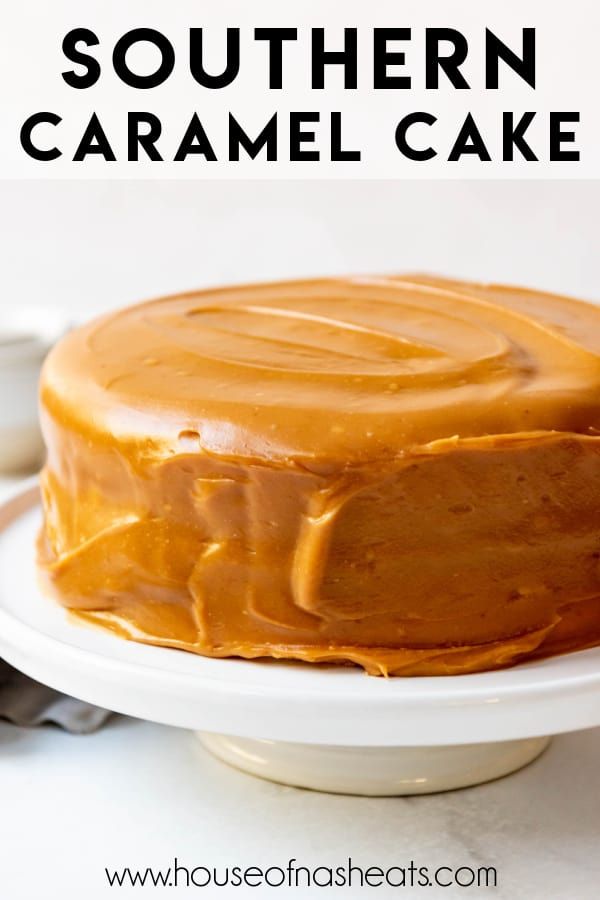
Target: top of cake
column 337, row 369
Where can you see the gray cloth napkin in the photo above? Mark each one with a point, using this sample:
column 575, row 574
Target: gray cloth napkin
column 24, row 701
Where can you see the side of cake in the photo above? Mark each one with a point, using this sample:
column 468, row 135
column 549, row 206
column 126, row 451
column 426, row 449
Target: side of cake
column 401, row 473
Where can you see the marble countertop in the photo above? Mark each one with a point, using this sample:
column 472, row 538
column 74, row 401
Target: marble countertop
column 138, row 794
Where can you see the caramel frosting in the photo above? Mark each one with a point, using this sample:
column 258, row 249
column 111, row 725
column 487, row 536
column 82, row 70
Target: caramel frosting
column 398, row 472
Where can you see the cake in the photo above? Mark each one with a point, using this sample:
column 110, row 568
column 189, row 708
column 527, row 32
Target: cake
column 401, row 473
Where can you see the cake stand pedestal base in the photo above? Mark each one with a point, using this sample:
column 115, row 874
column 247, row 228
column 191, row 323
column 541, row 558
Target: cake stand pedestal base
column 374, row 771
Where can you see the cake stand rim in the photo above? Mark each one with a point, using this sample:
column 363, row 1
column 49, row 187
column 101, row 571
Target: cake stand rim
column 459, row 710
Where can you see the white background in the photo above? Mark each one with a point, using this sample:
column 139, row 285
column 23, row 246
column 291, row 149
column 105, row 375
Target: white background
column 90, row 246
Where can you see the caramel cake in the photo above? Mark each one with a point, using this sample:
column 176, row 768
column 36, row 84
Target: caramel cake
column 401, row 473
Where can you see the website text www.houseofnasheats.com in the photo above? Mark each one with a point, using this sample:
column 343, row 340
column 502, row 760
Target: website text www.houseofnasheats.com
column 293, row 875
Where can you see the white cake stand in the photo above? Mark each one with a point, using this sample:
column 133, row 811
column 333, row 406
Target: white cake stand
column 326, row 728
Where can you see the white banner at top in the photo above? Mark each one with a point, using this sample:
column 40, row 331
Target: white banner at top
column 312, row 89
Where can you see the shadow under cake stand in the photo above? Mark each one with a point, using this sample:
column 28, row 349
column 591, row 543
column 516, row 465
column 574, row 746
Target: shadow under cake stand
column 325, row 728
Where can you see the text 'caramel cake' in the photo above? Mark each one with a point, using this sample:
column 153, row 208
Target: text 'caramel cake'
column 402, row 473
